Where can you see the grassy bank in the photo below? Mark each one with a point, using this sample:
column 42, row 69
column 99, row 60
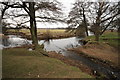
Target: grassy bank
column 112, row 38
column 21, row 63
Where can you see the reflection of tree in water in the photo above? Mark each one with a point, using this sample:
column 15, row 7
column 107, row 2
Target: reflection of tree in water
column 48, row 41
column 71, row 46
column 13, row 41
column 5, row 41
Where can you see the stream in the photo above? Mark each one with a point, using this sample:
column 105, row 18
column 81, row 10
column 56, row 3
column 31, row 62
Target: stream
column 60, row 46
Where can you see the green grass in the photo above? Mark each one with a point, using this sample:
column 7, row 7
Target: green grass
column 111, row 38
column 21, row 63
column 110, row 35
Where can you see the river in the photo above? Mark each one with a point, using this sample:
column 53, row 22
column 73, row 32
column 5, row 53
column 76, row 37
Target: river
column 60, row 46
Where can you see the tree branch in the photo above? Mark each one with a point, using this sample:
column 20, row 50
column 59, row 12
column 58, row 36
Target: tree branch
column 19, row 15
column 51, row 18
column 109, row 18
column 107, row 26
column 3, row 11
column 15, row 5
column 105, row 9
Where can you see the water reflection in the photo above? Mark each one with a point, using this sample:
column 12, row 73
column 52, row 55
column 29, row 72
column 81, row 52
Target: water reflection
column 60, row 44
column 13, row 41
column 49, row 45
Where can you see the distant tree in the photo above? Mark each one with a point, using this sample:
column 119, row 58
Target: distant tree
column 77, row 16
column 80, row 30
column 4, row 27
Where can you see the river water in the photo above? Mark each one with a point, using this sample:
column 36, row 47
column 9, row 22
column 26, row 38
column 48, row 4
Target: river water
column 60, row 46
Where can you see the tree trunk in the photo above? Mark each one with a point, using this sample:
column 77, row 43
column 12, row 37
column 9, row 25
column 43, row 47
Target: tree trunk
column 33, row 28
column 0, row 25
column 85, row 23
column 96, row 37
column 1, row 17
column 107, row 26
column 98, row 21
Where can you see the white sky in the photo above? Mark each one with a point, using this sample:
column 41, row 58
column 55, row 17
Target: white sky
column 67, row 4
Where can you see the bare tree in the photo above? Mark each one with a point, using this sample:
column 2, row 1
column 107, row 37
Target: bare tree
column 104, row 15
column 77, row 15
column 31, row 7
column 99, row 15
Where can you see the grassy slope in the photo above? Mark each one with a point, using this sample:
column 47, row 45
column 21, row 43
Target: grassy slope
column 21, row 63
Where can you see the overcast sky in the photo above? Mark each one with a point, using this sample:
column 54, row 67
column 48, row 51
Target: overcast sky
column 67, row 4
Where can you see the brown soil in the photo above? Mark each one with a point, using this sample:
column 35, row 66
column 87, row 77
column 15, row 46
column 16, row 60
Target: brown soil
column 101, row 51
column 68, row 61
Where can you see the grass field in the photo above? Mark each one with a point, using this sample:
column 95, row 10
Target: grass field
column 42, row 31
column 21, row 63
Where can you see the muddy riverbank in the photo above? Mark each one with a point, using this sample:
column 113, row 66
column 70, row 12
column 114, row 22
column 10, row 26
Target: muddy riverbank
column 101, row 53
column 68, row 61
